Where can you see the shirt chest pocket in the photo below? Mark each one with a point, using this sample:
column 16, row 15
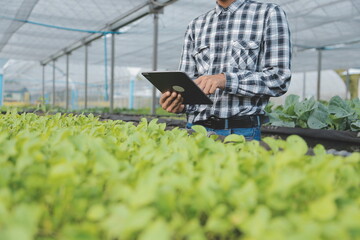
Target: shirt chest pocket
column 244, row 54
column 201, row 56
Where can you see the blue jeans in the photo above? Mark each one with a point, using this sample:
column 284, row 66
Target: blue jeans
column 249, row 133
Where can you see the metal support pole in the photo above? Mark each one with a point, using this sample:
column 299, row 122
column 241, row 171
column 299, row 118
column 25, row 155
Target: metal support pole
column 67, row 81
column 347, row 84
column 319, row 75
column 43, row 84
column 106, row 90
column 304, row 86
column 131, row 95
column 112, row 73
column 155, row 57
column 86, row 76
column 53, row 88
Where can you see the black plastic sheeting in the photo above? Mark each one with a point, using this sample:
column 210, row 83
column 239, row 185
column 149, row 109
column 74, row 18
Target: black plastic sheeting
column 331, row 139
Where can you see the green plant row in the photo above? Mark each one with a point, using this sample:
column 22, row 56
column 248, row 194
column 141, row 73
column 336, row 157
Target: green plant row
column 47, row 108
column 74, row 177
column 336, row 114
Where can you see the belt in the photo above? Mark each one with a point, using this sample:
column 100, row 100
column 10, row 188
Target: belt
column 233, row 122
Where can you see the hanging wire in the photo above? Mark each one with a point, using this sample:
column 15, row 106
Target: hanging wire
column 161, row 4
column 58, row 27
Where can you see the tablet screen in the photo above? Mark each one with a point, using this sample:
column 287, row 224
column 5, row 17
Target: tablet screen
column 179, row 82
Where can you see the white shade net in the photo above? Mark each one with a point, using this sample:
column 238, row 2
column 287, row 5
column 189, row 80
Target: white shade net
column 52, row 26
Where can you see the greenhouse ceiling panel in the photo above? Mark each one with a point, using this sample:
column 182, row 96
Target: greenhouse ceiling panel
column 36, row 30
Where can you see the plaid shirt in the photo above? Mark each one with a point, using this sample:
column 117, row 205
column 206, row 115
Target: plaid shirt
column 250, row 43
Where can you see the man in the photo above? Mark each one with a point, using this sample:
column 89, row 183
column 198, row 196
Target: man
column 239, row 53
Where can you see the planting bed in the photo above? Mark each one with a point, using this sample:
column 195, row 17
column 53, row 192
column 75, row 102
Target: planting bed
column 75, row 177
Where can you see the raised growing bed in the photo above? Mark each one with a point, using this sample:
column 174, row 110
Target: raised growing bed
column 330, row 139
column 75, row 177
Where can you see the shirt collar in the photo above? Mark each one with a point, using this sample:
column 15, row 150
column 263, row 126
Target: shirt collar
column 232, row 8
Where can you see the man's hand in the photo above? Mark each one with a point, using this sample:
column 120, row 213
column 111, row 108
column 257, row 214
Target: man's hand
column 209, row 83
column 172, row 102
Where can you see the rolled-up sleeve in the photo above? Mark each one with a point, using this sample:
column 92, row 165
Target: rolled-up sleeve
column 274, row 76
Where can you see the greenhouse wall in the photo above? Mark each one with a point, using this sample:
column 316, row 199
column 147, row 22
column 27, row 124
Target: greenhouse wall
column 129, row 84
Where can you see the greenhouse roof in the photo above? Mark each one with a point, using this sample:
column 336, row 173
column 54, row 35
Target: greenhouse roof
column 38, row 30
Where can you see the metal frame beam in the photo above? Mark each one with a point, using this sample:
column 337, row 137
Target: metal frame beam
column 123, row 20
column 319, row 74
column 151, row 6
column 106, row 86
column 86, row 75
column 304, row 86
column 155, row 57
column 112, row 80
column 67, row 81
column 347, row 93
column 43, row 83
column 53, row 87
column 23, row 12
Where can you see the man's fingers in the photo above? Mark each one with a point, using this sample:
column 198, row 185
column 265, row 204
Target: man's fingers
column 164, row 96
column 198, row 80
column 201, row 81
column 179, row 98
column 175, row 103
column 171, row 106
column 213, row 89
column 209, row 83
column 166, row 103
column 207, row 87
column 168, row 100
column 171, row 101
column 179, row 108
column 202, row 85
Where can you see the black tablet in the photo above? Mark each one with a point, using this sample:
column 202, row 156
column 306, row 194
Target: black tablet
column 179, row 82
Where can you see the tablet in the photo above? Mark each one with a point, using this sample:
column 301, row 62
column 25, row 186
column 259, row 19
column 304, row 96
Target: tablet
column 179, row 82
